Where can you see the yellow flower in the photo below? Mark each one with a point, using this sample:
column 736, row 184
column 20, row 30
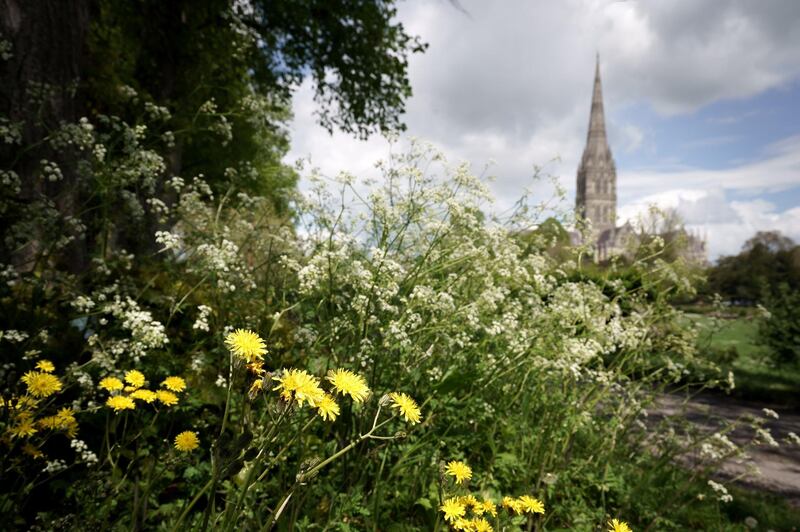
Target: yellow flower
column 407, row 406
column 168, row 398
column 460, row 470
column 24, row 427
column 41, row 384
column 256, row 367
column 348, row 383
column 327, row 408
column 46, row 366
column 175, row 384
column 135, row 378
column 148, row 396
column 120, row 402
column 469, row 500
column 246, row 345
column 187, row 441
column 26, row 402
column 64, row 420
column 462, row 524
column 509, row 503
column 490, row 508
column 256, row 388
column 65, row 415
column 298, row 384
column 452, row 509
column 111, row 384
column 30, row 450
column 481, row 525
column 618, row 526
column 531, row 505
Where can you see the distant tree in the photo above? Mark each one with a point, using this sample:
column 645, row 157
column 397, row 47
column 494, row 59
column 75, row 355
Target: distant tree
column 772, row 241
column 767, row 260
column 549, row 236
column 661, row 230
column 780, row 330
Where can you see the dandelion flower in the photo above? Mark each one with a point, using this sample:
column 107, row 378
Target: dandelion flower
column 480, row 525
column 256, row 388
column 120, row 402
column 135, row 378
column 348, row 383
column 327, row 408
column 459, row 470
column 469, row 500
column 531, row 505
column 452, row 509
column 41, row 384
column 407, row 406
column 510, row 503
column 24, row 428
column 168, row 398
column 64, row 419
column 65, row 415
column 174, row 384
column 46, row 366
column 297, row 384
column 490, row 508
column 618, row 526
column 256, row 367
column 32, row 451
column 246, row 345
column 148, row 396
column 111, row 384
column 187, row 441
column 462, row 524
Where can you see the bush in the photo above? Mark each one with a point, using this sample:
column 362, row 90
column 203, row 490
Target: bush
column 403, row 330
column 780, row 328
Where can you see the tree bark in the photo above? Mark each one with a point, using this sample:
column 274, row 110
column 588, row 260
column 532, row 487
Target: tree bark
column 48, row 47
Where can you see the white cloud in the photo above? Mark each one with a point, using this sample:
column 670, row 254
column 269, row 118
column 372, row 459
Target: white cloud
column 779, row 170
column 723, row 223
column 511, row 82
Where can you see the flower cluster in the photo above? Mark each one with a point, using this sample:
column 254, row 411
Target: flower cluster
column 467, row 512
column 32, row 418
column 300, row 387
column 126, row 391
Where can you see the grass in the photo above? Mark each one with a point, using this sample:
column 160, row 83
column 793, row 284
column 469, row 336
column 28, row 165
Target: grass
column 734, row 344
column 772, row 512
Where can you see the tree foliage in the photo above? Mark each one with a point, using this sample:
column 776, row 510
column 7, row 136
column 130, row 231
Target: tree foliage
column 766, row 261
column 780, row 328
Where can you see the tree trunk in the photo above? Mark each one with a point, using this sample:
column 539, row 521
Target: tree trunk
column 48, row 47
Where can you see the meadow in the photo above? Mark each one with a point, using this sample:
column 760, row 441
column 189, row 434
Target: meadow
column 734, row 343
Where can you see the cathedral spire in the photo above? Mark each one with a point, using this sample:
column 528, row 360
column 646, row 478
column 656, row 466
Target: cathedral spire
column 596, row 137
column 596, row 198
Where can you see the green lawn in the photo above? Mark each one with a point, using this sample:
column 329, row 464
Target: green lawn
column 756, row 377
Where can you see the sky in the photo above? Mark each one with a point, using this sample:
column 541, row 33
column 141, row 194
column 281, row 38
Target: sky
column 702, row 102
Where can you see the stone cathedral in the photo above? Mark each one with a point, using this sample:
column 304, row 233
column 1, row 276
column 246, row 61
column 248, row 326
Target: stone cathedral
column 596, row 197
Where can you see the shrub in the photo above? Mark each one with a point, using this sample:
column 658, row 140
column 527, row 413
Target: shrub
column 475, row 348
column 779, row 329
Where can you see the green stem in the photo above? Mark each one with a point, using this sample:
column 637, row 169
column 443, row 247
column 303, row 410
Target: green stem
column 191, row 505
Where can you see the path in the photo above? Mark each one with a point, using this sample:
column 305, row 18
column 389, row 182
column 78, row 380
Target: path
column 780, row 466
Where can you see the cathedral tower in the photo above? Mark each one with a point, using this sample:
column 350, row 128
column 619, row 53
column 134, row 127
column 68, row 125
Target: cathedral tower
column 596, row 199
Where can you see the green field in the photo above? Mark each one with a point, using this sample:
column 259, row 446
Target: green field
column 757, row 378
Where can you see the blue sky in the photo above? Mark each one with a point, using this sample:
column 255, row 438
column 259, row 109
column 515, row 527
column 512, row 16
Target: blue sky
column 722, row 134
column 702, row 104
